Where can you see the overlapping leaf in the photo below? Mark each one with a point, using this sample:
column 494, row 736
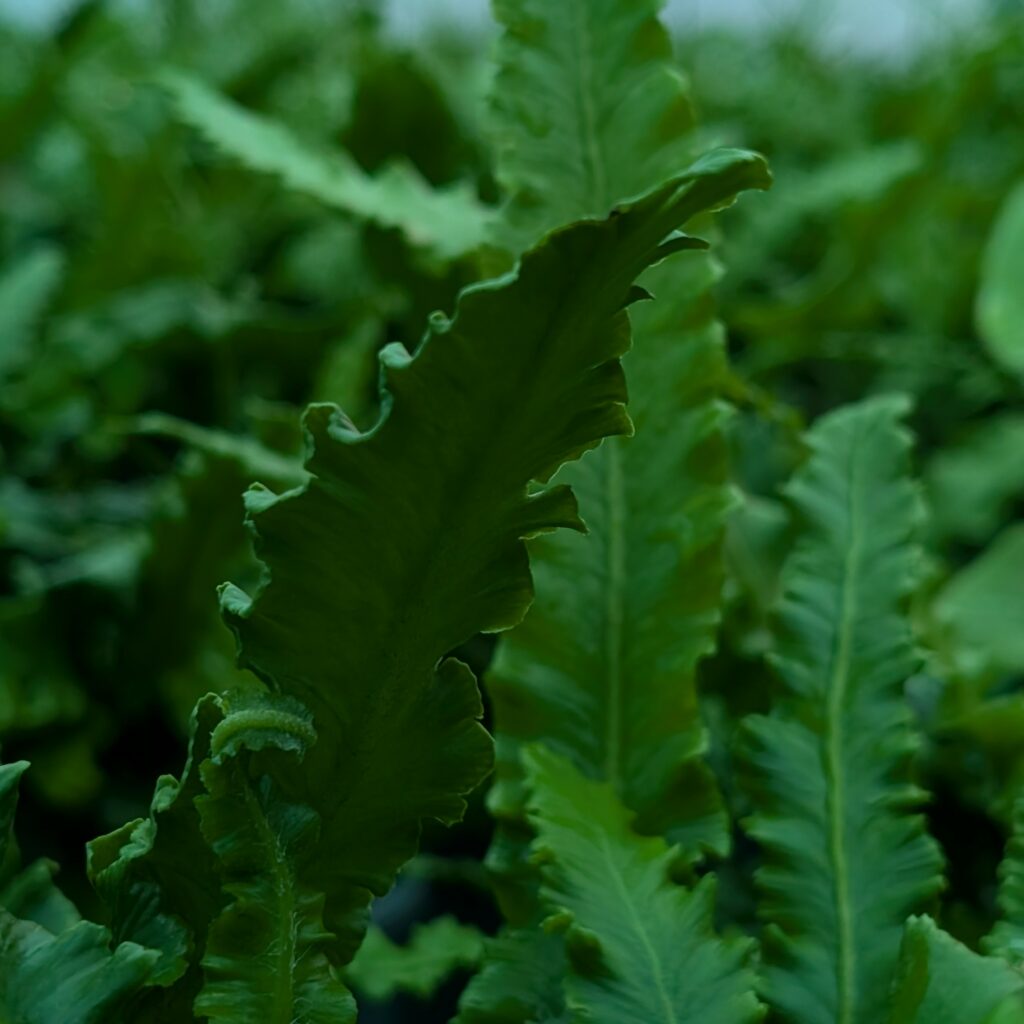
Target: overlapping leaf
column 589, row 108
column 941, row 981
column 846, row 856
column 409, row 538
column 641, row 948
column 446, row 222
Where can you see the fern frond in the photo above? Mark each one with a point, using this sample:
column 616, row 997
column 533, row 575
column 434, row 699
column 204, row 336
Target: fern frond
column 640, row 947
column 846, row 856
column 448, row 222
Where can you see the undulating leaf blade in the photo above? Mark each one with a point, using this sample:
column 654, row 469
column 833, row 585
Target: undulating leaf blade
column 158, row 878
column 448, row 222
column 603, row 667
column 941, row 981
column 409, row 538
column 640, row 947
column 846, row 857
column 264, row 957
column 434, row 951
column 1007, row 938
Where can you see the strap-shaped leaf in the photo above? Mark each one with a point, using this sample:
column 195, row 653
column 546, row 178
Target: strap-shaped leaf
column 587, row 110
column 265, row 956
column 941, row 981
column 447, row 222
column 434, row 951
column 641, row 948
column 603, row 667
column 846, row 858
column 1007, row 938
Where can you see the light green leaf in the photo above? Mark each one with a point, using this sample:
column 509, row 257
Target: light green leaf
column 971, row 484
column 981, row 608
column 26, row 288
column 587, row 109
column 999, row 310
column 1007, row 937
column 73, row 978
column 846, row 859
column 641, row 948
column 434, row 951
column 253, row 458
column 408, row 539
column 265, row 954
column 521, row 980
column 448, row 222
column 942, row 982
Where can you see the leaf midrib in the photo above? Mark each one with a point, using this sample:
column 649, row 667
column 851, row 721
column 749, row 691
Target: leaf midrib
column 838, row 683
column 657, row 973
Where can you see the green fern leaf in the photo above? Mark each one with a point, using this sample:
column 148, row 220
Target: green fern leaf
column 846, row 859
column 589, row 108
column 408, row 538
column 448, row 222
column 435, row 950
column 942, row 982
column 640, row 947
column 521, row 980
column 265, row 954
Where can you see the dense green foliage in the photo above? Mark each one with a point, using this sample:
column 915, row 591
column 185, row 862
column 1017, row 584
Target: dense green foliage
column 736, row 485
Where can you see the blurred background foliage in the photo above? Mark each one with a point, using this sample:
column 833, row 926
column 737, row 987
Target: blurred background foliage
column 167, row 309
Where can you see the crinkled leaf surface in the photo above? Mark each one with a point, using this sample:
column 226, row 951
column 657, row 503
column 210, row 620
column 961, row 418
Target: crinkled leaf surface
column 941, row 981
column 265, row 956
column 846, row 858
column 409, row 538
column 447, row 222
column 641, row 948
